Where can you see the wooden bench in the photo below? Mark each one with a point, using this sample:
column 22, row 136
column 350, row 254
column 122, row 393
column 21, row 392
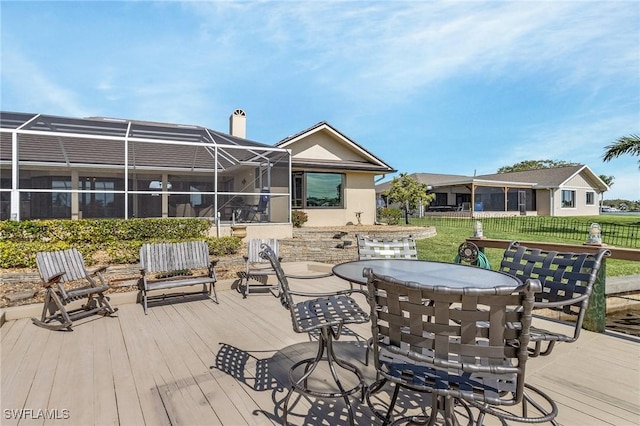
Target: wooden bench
column 386, row 248
column 176, row 265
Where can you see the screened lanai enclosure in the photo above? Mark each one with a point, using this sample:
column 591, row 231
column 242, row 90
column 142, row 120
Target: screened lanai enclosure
column 60, row 167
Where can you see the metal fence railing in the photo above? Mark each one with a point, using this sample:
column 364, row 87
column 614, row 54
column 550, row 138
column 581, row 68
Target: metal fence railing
column 565, row 228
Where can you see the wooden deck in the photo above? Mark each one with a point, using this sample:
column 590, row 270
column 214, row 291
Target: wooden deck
column 199, row 363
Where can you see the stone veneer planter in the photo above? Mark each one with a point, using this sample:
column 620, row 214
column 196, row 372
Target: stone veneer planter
column 323, row 244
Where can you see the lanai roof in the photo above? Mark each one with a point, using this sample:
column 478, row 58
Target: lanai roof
column 53, row 139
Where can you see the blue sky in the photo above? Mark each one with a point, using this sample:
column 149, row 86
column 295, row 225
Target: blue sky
column 436, row 87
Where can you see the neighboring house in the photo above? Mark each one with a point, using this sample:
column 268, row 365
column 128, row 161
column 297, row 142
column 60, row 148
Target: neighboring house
column 560, row 191
column 64, row 167
column 333, row 177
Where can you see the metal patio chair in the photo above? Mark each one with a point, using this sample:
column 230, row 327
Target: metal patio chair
column 567, row 282
column 326, row 314
column 386, row 248
column 459, row 347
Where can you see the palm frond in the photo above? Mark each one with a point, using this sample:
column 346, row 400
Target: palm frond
column 624, row 145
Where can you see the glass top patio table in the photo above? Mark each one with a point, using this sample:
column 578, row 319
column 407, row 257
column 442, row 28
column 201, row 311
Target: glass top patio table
column 431, row 274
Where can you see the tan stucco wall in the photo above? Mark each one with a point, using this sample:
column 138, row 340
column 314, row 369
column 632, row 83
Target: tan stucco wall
column 543, row 202
column 359, row 191
column 322, row 146
column 360, row 196
column 581, row 186
column 580, row 209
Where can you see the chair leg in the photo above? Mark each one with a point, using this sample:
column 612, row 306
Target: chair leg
column 105, row 307
column 392, row 404
column 546, row 415
column 325, row 343
column 331, row 357
column 215, row 294
column 57, row 312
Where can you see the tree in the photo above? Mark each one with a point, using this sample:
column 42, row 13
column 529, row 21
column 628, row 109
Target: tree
column 535, row 165
column 409, row 193
column 609, row 181
column 624, row 145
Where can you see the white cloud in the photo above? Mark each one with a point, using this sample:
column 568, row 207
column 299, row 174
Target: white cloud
column 33, row 86
column 402, row 47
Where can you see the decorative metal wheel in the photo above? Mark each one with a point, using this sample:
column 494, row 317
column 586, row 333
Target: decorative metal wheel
column 468, row 252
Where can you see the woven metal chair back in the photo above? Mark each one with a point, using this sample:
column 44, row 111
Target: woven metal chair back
column 68, row 261
column 567, row 278
column 451, row 342
column 386, row 248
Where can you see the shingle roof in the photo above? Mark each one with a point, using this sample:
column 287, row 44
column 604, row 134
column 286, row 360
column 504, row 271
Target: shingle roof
column 432, row 179
column 551, row 177
column 540, row 178
column 376, row 163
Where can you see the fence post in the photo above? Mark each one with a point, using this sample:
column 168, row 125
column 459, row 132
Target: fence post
column 595, row 318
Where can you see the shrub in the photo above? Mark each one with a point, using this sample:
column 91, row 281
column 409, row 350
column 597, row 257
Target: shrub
column 224, row 245
column 113, row 240
column 298, row 218
column 390, row 216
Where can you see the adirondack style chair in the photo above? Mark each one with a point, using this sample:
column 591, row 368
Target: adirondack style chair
column 58, row 268
column 257, row 269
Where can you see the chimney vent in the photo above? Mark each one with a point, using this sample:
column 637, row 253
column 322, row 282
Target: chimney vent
column 238, row 124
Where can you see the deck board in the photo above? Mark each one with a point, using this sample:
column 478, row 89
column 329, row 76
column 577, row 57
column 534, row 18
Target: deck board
column 200, row 363
column 138, row 399
column 105, row 410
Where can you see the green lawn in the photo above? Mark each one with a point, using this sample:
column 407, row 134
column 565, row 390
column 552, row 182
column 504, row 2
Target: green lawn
column 444, row 247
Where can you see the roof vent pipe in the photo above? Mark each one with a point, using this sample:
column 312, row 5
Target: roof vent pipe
column 238, row 124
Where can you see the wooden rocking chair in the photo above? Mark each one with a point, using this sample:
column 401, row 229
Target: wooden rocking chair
column 59, row 267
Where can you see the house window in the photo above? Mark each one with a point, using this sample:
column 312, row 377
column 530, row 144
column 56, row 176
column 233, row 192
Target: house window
column 591, row 198
column 317, row 190
column 441, row 199
column 568, row 199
